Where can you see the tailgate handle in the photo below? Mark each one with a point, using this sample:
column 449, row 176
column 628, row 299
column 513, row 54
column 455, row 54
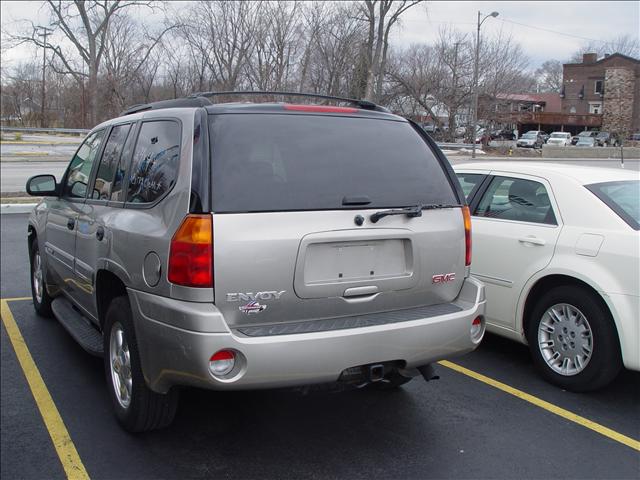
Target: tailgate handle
column 360, row 291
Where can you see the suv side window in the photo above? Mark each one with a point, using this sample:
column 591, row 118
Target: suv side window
column 516, row 199
column 79, row 170
column 156, row 158
column 107, row 169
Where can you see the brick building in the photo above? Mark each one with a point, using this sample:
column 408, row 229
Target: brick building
column 608, row 88
column 596, row 95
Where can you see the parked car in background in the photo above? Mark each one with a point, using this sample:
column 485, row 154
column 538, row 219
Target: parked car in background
column 317, row 279
column 586, row 133
column 532, row 139
column 503, row 134
column 558, row 247
column 606, row 139
column 635, row 137
column 545, row 136
column 561, row 139
column 584, row 141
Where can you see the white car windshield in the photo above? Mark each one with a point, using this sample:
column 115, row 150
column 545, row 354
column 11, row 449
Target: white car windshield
column 529, row 135
column 558, row 135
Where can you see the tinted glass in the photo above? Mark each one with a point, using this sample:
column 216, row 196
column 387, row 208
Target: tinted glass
column 79, row 169
column 622, row 197
column 156, row 158
column 270, row 162
column 109, row 162
column 516, row 199
column 468, row 181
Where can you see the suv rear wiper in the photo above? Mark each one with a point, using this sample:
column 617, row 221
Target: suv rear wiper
column 411, row 212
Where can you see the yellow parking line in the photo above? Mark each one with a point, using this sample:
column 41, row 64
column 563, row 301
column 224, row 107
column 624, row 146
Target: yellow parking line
column 15, row 299
column 62, row 442
column 566, row 414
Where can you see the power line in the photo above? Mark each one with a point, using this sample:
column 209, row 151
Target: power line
column 553, row 31
column 452, row 22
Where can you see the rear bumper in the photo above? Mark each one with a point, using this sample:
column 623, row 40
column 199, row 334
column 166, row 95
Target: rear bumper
column 173, row 352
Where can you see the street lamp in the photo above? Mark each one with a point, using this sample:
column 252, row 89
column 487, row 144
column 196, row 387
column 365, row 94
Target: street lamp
column 475, row 83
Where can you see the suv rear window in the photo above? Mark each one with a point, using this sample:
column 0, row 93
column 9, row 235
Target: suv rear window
column 284, row 162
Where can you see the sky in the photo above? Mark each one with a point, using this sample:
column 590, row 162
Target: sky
column 545, row 30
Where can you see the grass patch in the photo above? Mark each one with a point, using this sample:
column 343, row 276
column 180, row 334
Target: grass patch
column 17, row 137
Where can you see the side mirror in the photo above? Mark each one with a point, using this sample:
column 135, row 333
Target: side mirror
column 42, row 186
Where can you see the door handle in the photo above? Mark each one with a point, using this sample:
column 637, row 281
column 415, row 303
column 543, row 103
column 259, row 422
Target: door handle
column 71, row 223
column 100, row 233
column 532, row 240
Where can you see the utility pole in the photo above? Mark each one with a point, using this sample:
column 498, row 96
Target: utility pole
column 474, row 125
column 452, row 115
column 45, row 33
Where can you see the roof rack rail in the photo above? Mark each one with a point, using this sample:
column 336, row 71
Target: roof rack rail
column 191, row 101
column 364, row 104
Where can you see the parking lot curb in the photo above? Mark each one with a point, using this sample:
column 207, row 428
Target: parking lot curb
column 16, row 207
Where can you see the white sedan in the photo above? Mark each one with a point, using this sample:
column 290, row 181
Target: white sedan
column 558, row 247
column 560, row 139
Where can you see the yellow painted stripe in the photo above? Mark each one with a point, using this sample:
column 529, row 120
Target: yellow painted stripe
column 62, row 442
column 550, row 407
column 15, row 299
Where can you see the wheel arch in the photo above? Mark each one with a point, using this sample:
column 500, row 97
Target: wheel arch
column 108, row 286
column 548, row 282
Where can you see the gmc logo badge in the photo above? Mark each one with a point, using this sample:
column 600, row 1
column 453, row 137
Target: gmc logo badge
column 443, row 278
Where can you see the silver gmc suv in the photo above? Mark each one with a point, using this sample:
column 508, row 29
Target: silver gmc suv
column 255, row 245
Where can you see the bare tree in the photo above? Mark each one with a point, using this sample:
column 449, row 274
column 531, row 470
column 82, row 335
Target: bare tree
column 380, row 16
column 85, row 25
column 549, row 76
column 628, row 45
column 128, row 51
column 222, row 33
column 277, row 39
column 418, row 76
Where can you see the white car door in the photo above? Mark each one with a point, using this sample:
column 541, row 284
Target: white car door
column 515, row 227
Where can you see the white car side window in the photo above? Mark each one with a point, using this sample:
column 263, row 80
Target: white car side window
column 516, row 199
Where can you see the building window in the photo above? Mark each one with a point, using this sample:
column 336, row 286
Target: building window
column 595, row 107
column 599, row 87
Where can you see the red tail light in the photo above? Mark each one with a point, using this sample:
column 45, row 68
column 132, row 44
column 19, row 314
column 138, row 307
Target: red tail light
column 320, row 108
column 466, row 215
column 191, row 253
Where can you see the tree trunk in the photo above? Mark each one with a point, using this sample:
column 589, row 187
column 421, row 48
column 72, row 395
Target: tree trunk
column 93, row 95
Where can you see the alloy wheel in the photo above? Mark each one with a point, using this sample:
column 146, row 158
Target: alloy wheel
column 120, row 365
column 565, row 339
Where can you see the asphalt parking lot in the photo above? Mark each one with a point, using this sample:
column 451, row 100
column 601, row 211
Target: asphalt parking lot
column 496, row 419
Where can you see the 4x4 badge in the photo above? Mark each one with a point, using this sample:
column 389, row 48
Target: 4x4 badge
column 252, row 307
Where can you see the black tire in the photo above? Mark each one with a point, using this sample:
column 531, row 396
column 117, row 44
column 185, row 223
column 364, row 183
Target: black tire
column 392, row 381
column 606, row 359
column 42, row 306
column 146, row 409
